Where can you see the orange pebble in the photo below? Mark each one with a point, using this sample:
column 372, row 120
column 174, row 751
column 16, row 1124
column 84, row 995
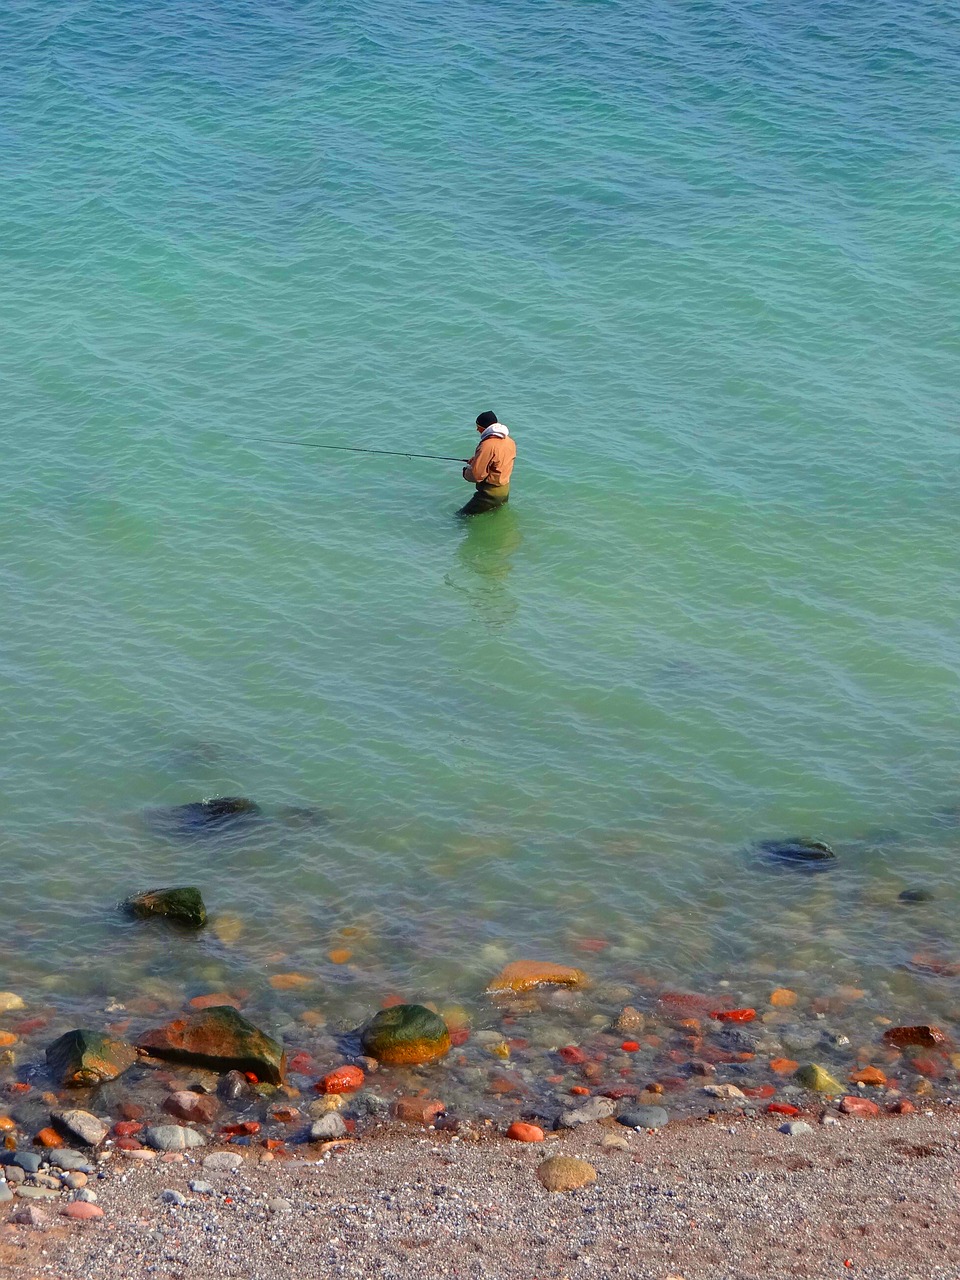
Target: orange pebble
column 630, row 1046
column 521, row 1132
column 783, row 1066
column 48, row 1138
column 341, row 1080
column 869, row 1075
column 783, row 998
column 580, row 1090
column 290, row 981
column 7, row 1038
column 339, row 955
column 7, row 1123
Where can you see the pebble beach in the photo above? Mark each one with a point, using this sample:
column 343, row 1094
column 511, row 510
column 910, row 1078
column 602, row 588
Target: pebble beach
column 724, row 1198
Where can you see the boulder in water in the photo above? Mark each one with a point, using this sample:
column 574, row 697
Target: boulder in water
column 180, row 906
column 205, row 817
column 796, row 849
column 220, row 1039
column 406, row 1035
column 83, row 1058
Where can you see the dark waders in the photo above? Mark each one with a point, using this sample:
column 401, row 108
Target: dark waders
column 487, row 498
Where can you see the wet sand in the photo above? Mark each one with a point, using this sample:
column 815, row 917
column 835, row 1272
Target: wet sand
column 726, row 1197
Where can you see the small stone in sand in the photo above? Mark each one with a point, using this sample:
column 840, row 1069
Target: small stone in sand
column 277, row 1204
column 794, row 1128
column 223, row 1161
column 202, row 1188
column 30, row 1216
column 169, row 1196
column 521, row 1132
column 81, row 1210
column 566, row 1173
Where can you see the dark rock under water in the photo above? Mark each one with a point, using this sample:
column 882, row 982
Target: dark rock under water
column 182, row 905
column 203, row 817
column 796, row 850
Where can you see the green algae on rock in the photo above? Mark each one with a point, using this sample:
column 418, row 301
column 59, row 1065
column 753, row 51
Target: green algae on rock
column 182, row 905
column 220, row 1039
column 817, row 1078
column 406, row 1035
column 82, row 1058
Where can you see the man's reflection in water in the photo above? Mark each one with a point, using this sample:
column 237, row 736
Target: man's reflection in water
column 486, row 553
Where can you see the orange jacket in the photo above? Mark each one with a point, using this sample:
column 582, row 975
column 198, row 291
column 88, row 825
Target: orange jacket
column 493, row 461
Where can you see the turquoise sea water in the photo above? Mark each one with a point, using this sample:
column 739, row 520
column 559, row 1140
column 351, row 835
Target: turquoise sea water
column 703, row 259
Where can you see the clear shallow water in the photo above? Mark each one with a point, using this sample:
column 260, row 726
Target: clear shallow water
column 703, row 260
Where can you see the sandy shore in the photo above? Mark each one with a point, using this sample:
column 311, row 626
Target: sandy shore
column 727, row 1197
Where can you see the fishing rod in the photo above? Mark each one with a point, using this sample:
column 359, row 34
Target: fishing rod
column 348, row 448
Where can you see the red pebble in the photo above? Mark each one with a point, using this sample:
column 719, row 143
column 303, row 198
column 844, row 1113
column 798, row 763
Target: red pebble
column 127, row 1128
column 630, row 1046
column 592, row 944
column 244, row 1129
column 853, row 1105
column 252, row 1077
column 902, row 1107
column 29, row 1026
column 554, row 1079
column 459, row 1037
column 301, row 1064
column 928, row 1066
column 341, row 1080
column 273, row 1144
column 760, row 1090
column 782, row 1109
column 621, row 1091
column 734, row 1015
column 580, row 1091
column 128, row 1144
column 572, row 1054
column 81, row 1210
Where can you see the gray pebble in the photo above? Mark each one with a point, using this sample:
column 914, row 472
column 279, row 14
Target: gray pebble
column 173, row 1137
column 5, row 1193
column 15, row 1174
column 223, row 1161
column 172, row 1197
column 29, row 1161
column 72, row 1161
column 85, row 1195
column 35, row 1193
column 329, row 1126
column 278, row 1205
column 82, row 1126
column 46, row 1180
column 645, row 1118
column 31, row 1215
column 202, row 1188
column 796, row 1127
column 595, row 1109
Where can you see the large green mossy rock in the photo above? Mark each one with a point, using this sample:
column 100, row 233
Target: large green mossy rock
column 220, row 1039
column 182, row 906
column 84, row 1058
column 407, row 1035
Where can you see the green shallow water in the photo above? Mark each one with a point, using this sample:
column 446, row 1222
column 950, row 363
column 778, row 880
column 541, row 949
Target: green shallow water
column 702, row 259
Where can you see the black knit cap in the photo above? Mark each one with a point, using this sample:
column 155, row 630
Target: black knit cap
column 486, row 419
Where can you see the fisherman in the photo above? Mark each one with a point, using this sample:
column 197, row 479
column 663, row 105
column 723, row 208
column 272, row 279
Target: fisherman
column 490, row 467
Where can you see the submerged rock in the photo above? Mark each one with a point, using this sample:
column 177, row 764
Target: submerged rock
column 220, row 1039
column 406, row 1035
column 201, row 817
column 796, row 849
column 83, row 1058
column 181, row 906
column 817, row 1078
column 916, row 895
column 525, row 975
column 172, row 1137
column 927, row 1037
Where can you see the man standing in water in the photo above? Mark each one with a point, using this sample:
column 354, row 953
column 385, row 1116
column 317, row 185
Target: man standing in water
column 490, row 467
